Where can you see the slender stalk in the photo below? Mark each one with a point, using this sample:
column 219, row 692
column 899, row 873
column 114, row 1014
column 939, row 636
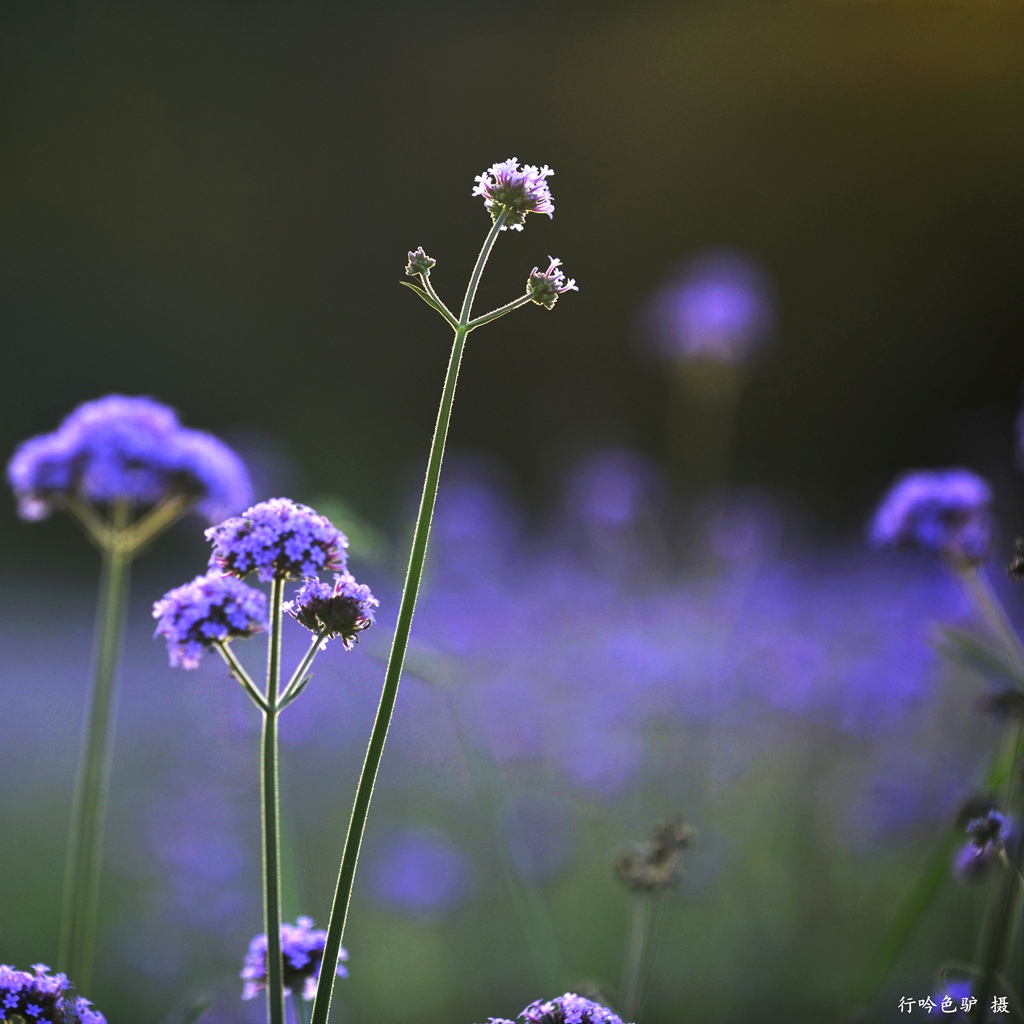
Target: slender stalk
column 271, row 837
column 238, row 673
column 302, row 1008
column 486, row 318
column 85, row 845
column 300, row 672
column 399, row 644
column 639, row 920
column 979, row 588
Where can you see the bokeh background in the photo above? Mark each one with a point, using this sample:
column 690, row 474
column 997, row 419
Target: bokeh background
column 649, row 593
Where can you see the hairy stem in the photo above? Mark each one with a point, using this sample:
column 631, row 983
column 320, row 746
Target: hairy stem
column 399, row 644
column 271, row 837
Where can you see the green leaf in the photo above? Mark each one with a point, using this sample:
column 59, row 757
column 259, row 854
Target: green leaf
column 967, row 649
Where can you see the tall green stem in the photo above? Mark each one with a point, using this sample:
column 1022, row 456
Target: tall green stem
column 271, row 837
column 399, row 644
column 85, row 846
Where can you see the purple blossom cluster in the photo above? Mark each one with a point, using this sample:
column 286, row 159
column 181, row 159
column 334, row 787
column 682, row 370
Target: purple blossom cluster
column 42, row 997
column 544, row 288
column 944, row 512
column 567, row 1009
column 518, row 191
column 132, row 449
column 277, row 538
column 212, row 608
column 302, row 948
column 344, row 610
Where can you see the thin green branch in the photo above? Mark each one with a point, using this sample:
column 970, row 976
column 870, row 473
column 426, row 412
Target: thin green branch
column 271, row 836
column 299, row 677
column 400, row 642
column 238, row 673
column 432, row 302
column 486, row 318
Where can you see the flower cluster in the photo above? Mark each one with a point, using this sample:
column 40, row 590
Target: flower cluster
column 344, row 610
column 567, row 1009
column 302, row 949
column 545, row 288
column 945, row 512
column 420, row 264
column 42, row 997
column 506, row 187
column 212, row 608
column 133, row 449
column 277, row 538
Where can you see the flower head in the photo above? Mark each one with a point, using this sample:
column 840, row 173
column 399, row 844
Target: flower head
column 545, row 288
column 42, row 997
column 419, row 263
column 505, row 187
column 277, row 538
column 211, row 608
column 569, row 1009
column 942, row 511
column 302, row 949
column 987, row 835
column 344, row 610
column 121, row 448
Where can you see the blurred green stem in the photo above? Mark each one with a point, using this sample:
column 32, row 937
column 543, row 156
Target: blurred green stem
column 85, row 845
column 399, row 644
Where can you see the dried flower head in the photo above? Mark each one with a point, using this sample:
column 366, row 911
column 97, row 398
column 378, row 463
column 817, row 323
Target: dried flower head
column 42, row 997
column 945, row 512
column 545, row 288
column 419, row 263
column 344, row 610
column 987, row 834
column 302, row 948
column 567, row 1009
column 133, row 449
column 211, row 608
column 518, row 191
column 277, row 538
column 655, row 865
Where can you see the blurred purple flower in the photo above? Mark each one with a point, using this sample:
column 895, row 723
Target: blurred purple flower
column 505, row 186
column 421, row 872
column 344, row 610
column 945, row 512
column 211, row 608
column 302, row 948
column 718, row 306
column 131, row 449
column 569, row 1009
column 277, row 538
column 42, row 997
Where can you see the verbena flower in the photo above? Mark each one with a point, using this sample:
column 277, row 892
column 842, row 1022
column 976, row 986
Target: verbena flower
column 344, row 610
column 302, row 949
column 567, row 1009
column 121, row 448
column 210, row 608
column 42, row 997
column 545, row 288
column 419, row 263
column 277, row 538
column 987, row 835
column 519, row 191
column 945, row 512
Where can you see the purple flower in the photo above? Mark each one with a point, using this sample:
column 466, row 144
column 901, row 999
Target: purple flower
column 344, row 610
column 505, row 187
column 211, row 608
column 945, row 512
column 120, row 448
column 42, row 997
column 567, row 1009
column 302, row 949
column 277, row 538
column 718, row 306
column 545, row 288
